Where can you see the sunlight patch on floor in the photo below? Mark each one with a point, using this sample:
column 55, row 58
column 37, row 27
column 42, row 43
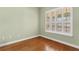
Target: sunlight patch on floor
column 48, row 48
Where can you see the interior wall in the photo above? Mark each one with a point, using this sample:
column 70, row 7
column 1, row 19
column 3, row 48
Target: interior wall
column 69, row 39
column 18, row 23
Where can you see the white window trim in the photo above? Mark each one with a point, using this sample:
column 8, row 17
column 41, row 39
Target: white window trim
column 63, row 33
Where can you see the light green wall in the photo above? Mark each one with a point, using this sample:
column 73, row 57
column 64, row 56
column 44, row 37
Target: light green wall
column 22, row 22
column 74, row 39
column 18, row 23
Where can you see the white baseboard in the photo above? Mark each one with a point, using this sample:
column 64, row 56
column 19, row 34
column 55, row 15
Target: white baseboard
column 8, row 43
column 72, row 45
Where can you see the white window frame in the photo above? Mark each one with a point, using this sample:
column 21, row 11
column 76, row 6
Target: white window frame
column 63, row 33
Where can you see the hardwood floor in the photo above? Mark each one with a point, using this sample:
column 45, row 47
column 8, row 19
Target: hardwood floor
column 38, row 44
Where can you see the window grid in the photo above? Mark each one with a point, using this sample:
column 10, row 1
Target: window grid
column 59, row 21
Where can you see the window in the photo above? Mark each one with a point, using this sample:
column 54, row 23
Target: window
column 59, row 20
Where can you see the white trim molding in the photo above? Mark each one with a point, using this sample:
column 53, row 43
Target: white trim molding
column 72, row 45
column 12, row 42
column 8, row 43
column 59, row 21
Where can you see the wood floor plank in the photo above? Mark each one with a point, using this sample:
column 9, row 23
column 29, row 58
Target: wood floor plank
column 37, row 44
